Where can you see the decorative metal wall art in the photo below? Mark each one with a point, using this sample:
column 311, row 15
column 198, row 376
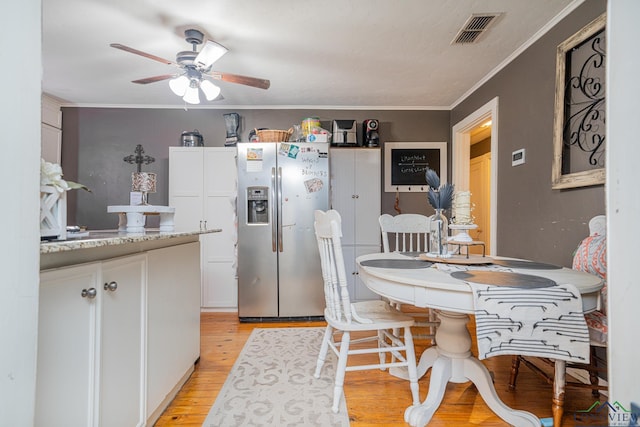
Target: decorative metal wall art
column 579, row 122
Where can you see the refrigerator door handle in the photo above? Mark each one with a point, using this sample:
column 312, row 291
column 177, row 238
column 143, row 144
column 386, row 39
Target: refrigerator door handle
column 274, row 218
column 280, row 245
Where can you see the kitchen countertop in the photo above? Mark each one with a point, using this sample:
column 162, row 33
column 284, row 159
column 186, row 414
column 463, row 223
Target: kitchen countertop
column 107, row 244
column 101, row 238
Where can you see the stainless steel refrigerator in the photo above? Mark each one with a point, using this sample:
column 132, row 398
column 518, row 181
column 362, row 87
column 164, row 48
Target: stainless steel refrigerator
column 280, row 185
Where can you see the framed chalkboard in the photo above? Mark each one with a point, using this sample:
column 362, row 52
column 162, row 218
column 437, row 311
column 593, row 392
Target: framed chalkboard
column 406, row 162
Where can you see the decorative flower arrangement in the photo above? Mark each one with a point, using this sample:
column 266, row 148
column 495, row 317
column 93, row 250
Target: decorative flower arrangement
column 438, row 196
column 51, row 175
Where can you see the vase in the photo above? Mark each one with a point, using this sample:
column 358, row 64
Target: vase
column 439, row 235
column 53, row 213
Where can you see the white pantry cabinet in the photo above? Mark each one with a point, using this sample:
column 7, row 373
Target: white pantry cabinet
column 91, row 344
column 355, row 194
column 202, row 189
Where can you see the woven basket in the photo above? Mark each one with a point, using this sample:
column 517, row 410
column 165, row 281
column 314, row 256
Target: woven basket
column 273, row 135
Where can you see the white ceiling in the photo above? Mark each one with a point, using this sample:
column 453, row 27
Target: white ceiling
column 360, row 54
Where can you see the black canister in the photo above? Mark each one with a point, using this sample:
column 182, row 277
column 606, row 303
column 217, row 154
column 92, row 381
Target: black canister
column 191, row 139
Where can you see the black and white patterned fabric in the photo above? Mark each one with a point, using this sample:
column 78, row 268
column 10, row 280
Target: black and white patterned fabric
column 540, row 322
column 535, row 318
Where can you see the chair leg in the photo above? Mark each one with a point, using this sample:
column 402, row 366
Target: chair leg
column 515, row 366
column 322, row 356
column 557, row 407
column 340, row 371
column 382, row 356
column 411, row 366
column 593, row 373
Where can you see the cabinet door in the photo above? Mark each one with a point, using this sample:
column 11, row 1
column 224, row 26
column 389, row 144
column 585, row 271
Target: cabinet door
column 186, row 186
column 367, row 201
column 51, row 143
column 173, row 334
column 122, row 326
column 66, row 347
column 343, row 190
column 361, row 292
column 220, row 284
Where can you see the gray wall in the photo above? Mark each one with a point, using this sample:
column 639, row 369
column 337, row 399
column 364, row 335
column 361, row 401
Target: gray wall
column 97, row 139
column 535, row 221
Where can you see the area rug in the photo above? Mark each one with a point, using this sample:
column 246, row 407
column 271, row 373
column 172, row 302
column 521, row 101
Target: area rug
column 272, row 383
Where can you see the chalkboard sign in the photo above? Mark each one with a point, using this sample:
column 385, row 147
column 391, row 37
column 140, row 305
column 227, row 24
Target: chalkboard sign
column 406, row 163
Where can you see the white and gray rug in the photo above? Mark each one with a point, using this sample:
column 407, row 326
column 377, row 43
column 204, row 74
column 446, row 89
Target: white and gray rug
column 272, row 383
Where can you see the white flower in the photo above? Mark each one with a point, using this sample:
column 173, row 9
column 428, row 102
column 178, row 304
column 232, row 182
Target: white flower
column 51, row 174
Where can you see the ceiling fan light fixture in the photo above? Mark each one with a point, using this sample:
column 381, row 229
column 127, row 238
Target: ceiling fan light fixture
column 179, row 85
column 210, row 90
column 191, row 96
column 210, row 53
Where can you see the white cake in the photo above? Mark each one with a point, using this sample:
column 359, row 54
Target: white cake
column 462, row 208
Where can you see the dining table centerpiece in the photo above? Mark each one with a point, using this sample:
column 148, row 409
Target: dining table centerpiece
column 440, row 197
column 53, row 201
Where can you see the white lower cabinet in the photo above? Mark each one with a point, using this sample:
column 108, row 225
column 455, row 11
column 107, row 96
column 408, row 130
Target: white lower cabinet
column 173, row 331
column 65, row 389
column 122, row 325
column 91, row 345
column 117, row 337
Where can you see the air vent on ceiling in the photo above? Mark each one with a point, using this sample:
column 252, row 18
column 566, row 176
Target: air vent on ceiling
column 474, row 27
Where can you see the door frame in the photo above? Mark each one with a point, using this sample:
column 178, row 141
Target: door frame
column 461, row 148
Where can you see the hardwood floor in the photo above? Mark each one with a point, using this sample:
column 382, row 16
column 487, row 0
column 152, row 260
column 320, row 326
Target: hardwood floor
column 374, row 398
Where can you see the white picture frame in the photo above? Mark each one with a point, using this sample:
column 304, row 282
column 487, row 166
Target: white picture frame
column 405, row 164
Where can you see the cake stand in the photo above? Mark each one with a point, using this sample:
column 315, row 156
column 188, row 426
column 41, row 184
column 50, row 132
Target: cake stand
column 463, row 233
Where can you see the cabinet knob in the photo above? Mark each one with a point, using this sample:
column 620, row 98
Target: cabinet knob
column 89, row 293
column 111, row 286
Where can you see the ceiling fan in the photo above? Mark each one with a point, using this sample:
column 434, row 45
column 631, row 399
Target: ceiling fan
column 195, row 69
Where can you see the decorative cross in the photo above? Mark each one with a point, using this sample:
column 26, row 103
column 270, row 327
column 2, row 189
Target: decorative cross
column 139, row 158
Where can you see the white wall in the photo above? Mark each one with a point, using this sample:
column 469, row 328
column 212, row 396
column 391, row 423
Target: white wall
column 623, row 203
column 20, row 70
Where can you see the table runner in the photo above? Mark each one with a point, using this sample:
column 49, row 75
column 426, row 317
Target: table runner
column 540, row 322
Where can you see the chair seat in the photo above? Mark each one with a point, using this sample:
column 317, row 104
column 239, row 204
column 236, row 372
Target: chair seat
column 597, row 324
column 380, row 313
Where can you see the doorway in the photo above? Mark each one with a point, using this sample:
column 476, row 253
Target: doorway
column 483, row 168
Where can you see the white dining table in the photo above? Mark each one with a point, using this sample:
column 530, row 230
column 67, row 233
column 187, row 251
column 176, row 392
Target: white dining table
column 451, row 359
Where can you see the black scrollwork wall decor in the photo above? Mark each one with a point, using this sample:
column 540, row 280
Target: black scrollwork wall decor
column 579, row 138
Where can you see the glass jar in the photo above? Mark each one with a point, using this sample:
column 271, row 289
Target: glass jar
column 439, row 235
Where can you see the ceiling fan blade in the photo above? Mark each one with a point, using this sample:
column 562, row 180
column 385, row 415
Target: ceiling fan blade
column 153, row 79
column 141, row 53
column 210, row 53
column 243, row 80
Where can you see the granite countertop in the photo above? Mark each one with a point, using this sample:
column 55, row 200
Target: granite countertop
column 102, row 238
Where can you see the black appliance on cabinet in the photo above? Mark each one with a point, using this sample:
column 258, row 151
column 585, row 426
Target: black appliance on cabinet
column 370, row 136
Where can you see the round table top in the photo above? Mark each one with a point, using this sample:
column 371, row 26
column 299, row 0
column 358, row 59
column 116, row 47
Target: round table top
column 433, row 287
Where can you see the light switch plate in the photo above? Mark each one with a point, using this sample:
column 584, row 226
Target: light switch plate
column 517, row 157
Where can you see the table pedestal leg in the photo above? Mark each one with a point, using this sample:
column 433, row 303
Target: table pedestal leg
column 452, row 361
column 135, row 222
column 166, row 221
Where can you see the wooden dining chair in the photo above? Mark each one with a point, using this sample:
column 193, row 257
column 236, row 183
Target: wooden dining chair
column 590, row 256
column 377, row 318
column 410, row 233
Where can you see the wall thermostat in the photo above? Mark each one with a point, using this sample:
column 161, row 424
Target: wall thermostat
column 517, row 157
